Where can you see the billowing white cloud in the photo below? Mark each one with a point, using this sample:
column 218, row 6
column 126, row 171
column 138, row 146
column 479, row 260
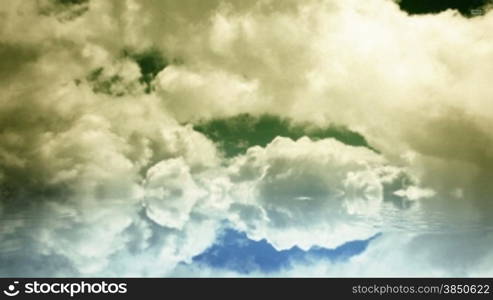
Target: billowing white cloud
column 401, row 254
column 170, row 193
column 98, row 174
column 309, row 193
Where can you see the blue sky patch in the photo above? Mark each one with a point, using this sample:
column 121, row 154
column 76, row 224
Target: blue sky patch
column 236, row 252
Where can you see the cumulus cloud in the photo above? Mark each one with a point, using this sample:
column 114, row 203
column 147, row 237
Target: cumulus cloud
column 410, row 255
column 393, row 254
column 309, row 193
column 171, row 193
column 100, row 167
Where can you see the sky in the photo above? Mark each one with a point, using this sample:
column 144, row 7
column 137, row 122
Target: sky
column 233, row 250
column 264, row 138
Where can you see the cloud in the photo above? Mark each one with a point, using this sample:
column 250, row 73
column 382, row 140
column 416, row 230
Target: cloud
column 408, row 84
column 410, row 255
column 393, row 254
column 100, row 164
column 171, row 193
column 308, row 193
